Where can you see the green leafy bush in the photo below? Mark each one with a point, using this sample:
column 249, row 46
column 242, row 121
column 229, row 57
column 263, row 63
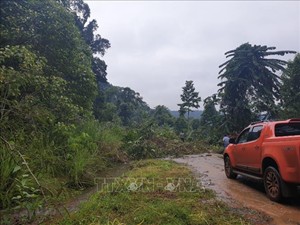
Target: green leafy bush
column 9, row 172
column 17, row 187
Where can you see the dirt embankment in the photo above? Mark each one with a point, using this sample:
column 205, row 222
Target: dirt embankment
column 243, row 194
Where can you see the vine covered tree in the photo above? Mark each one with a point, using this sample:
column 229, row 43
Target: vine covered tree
column 249, row 83
column 190, row 99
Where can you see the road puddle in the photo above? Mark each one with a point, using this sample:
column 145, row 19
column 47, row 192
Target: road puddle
column 241, row 192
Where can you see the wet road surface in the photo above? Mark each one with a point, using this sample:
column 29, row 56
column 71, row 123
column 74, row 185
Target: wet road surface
column 241, row 192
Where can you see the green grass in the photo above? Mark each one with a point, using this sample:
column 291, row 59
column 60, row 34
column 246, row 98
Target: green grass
column 150, row 203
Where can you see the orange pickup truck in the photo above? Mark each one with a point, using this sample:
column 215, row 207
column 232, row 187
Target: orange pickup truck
column 268, row 151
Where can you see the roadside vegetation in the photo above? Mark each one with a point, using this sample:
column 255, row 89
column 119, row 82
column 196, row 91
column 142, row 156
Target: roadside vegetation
column 154, row 192
column 62, row 122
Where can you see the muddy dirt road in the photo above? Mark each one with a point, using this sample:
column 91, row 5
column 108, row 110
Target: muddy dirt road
column 241, row 192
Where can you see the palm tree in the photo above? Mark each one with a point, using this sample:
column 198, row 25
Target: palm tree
column 251, row 84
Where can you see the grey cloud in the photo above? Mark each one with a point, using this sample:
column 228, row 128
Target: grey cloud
column 158, row 45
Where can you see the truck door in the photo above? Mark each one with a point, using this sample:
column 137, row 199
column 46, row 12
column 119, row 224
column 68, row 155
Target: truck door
column 253, row 149
column 240, row 149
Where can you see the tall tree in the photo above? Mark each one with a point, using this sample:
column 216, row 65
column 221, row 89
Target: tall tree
column 48, row 30
column 131, row 107
column 189, row 98
column 98, row 45
column 290, row 90
column 163, row 116
column 210, row 121
column 250, row 85
column 47, row 88
column 120, row 102
column 181, row 125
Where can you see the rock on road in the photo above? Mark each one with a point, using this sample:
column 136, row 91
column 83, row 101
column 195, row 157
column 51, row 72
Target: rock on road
column 241, row 192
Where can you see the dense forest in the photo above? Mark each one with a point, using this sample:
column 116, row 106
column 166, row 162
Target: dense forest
column 62, row 122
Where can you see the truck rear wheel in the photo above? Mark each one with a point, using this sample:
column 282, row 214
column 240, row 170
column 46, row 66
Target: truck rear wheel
column 228, row 169
column 272, row 183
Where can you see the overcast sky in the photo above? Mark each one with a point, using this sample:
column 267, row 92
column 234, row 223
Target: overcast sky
column 157, row 45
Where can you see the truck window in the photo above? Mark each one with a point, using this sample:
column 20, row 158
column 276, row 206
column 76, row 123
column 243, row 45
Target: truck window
column 243, row 136
column 287, row 129
column 255, row 133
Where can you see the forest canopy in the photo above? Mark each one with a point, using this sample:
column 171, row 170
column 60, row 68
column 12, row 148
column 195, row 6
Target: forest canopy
column 61, row 118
